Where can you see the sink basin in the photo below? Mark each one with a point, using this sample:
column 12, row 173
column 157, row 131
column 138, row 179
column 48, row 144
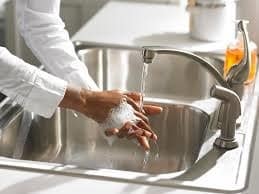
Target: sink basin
column 68, row 139
column 74, row 145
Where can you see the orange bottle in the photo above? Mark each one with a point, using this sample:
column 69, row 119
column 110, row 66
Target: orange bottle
column 235, row 53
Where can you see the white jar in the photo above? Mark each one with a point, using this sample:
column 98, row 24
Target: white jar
column 213, row 20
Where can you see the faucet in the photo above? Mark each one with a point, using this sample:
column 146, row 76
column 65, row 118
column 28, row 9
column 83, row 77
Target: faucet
column 148, row 54
column 230, row 108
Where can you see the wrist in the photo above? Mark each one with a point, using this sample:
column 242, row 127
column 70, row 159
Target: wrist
column 75, row 98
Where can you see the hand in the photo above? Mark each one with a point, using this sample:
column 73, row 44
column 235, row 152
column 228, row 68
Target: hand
column 97, row 105
column 141, row 130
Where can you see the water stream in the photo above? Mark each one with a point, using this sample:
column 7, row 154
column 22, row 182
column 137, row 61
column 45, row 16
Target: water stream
column 147, row 155
column 143, row 84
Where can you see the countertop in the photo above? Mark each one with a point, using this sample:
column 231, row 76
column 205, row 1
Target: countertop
column 24, row 182
column 170, row 27
column 144, row 24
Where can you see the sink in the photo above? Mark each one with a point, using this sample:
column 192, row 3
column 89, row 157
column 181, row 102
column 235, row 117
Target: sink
column 74, row 145
column 77, row 140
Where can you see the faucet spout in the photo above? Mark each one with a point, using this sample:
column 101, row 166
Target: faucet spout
column 149, row 53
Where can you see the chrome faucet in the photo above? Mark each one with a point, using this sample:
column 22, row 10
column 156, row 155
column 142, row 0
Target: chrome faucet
column 148, row 54
column 230, row 108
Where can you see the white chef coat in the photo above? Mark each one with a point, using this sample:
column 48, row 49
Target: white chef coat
column 43, row 31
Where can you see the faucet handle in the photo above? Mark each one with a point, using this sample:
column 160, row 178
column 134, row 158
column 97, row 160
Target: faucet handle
column 230, row 110
column 238, row 73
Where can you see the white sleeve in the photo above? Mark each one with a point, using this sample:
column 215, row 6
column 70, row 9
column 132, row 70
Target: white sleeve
column 35, row 90
column 43, row 31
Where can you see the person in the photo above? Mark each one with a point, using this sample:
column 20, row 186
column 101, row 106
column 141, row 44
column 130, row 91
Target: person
column 70, row 85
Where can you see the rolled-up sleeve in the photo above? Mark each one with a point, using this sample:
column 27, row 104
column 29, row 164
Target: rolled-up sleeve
column 35, row 90
column 44, row 32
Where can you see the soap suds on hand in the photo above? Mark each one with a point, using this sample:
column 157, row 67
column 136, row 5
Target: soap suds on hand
column 117, row 118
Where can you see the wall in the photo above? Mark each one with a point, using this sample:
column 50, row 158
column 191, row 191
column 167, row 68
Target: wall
column 256, row 27
column 248, row 9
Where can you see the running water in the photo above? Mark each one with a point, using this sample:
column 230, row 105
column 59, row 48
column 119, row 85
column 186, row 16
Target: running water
column 157, row 151
column 142, row 92
column 148, row 156
column 143, row 84
column 75, row 114
column 146, row 159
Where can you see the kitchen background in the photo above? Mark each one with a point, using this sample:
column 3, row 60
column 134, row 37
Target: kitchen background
column 77, row 12
column 74, row 13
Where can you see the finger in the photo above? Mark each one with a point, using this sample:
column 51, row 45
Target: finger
column 142, row 132
column 132, row 103
column 146, row 127
column 133, row 135
column 133, row 95
column 123, row 132
column 137, row 131
column 152, row 109
column 143, row 141
column 142, row 116
column 111, row 132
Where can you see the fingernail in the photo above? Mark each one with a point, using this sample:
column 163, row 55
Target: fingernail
column 154, row 137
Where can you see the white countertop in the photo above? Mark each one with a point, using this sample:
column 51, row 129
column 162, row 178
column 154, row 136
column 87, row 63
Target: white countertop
column 107, row 27
column 23, row 182
column 143, row 24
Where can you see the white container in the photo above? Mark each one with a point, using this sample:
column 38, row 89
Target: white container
column 213, row 20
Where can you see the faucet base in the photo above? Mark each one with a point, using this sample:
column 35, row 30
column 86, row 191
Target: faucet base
column 226, row 144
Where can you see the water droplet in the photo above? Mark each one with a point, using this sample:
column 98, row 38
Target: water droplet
column 157, row 151
column 75, row 114
column 146, row 159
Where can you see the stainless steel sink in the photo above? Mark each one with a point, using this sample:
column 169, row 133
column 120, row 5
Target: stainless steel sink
column 74, row 144
column 77, row 140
